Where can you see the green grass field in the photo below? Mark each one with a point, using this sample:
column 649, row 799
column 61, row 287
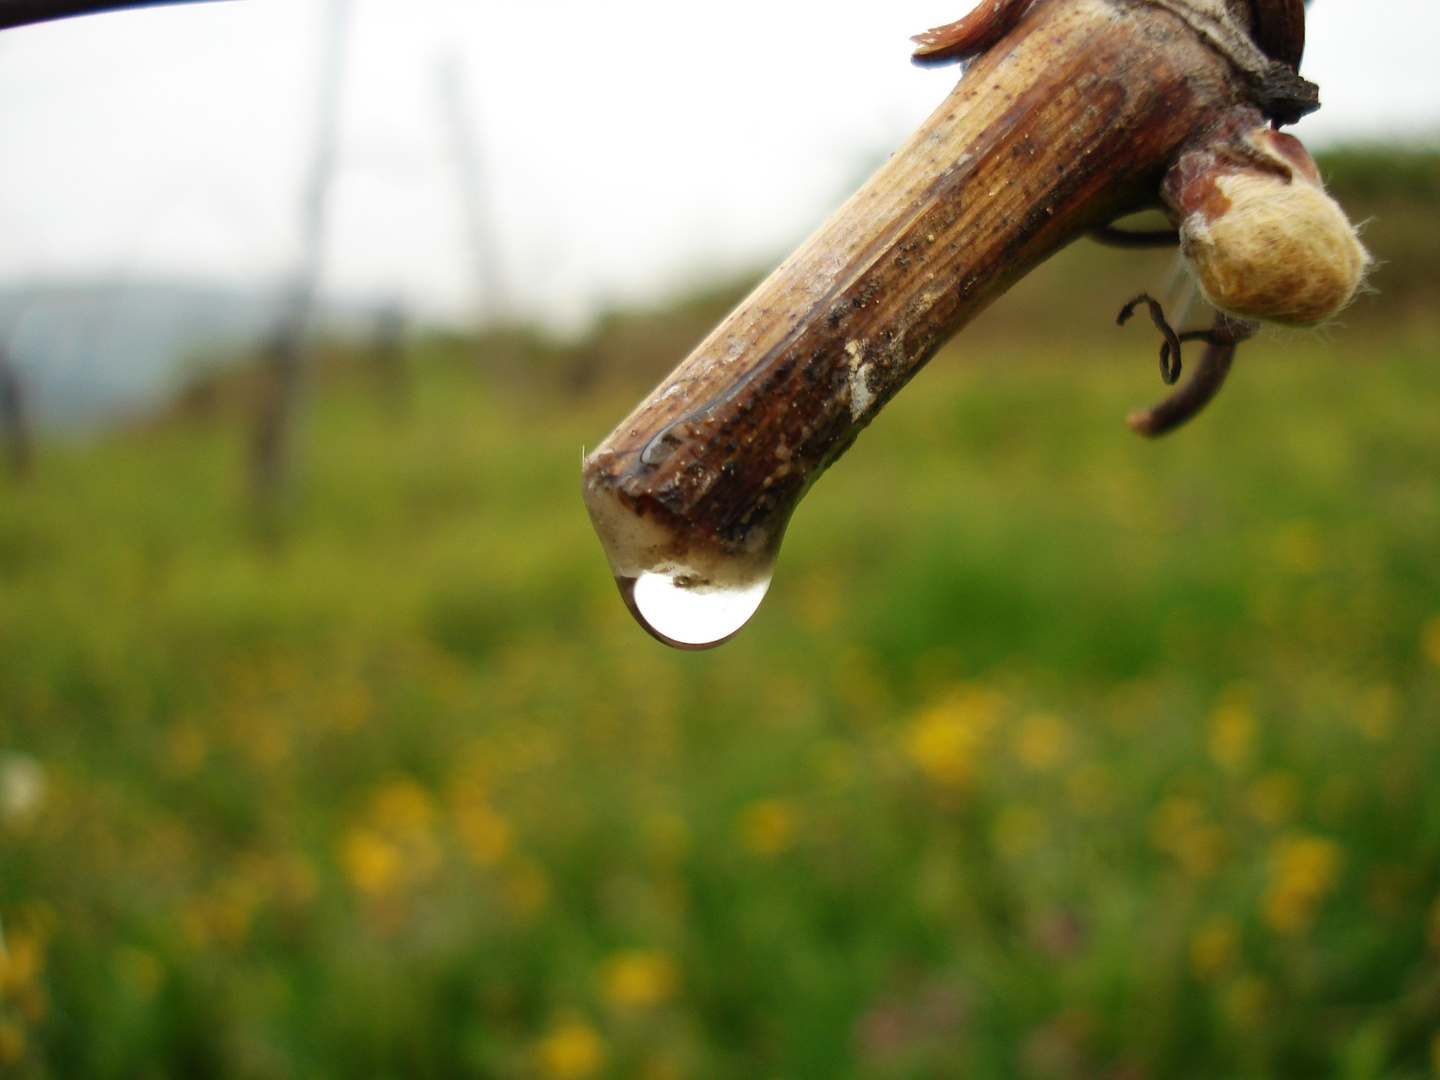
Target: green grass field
column 1053, row 753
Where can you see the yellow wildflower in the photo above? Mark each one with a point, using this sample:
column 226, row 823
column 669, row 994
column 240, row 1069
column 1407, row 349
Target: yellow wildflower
column 1213, row 947
column 1303, row 869
column 1042, row 742
column 639, row 979
column 1179, row 829
column 394, row 845
column 372, row 863
column 767, row 826
column 401, row 806
column 1435, row 1053
column 1430, row 640
column 945, row 740
column 21, row 960
column 1231, row 736
column 571, row 1051
column 230, row 906
column 12, row 1042
column 525, row 887
column 487, row 835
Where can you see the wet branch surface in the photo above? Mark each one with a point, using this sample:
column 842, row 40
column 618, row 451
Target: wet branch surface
column 1065, row 126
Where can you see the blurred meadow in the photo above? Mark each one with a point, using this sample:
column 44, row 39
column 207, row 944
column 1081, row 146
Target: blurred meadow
column 1053, row 754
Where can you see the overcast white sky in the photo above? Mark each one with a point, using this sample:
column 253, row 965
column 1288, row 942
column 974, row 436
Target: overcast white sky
column 633, row 146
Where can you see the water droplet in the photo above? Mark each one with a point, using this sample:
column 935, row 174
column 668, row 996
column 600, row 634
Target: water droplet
column 687, row 615
column 687, row 588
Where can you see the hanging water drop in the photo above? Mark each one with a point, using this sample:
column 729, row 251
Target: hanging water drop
column 688, row 615
column 686, row 586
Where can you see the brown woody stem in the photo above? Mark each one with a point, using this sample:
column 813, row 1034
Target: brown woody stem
column 1067, row 123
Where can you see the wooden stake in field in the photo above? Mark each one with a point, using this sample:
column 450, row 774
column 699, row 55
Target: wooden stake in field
column 274, row 445
column 14, row 417
column 1071, row 114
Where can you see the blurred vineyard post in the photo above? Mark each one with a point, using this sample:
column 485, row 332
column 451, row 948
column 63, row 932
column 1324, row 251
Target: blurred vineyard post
column 391, row 366
column 274, row 441
column 14, row 421
column 493, row 300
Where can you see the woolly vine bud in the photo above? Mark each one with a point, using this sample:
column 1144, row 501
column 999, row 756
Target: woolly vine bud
column 1261, row 235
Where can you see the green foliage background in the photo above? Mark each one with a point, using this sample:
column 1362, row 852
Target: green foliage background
column 1053, row 753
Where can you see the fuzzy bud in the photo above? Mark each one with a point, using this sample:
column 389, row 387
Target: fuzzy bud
column 1261, row 235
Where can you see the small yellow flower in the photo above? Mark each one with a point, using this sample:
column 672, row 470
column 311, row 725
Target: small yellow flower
column 525, row 887
column 1042, row 742
column 945, row 740
column 1231, row 736
column 372, row 863
column 12, row 1042
column 394, row 844
column 1435, row 1053
column 21, row 960
column 1173, row 818
column 639, row 979
column 571, row 1051
column 767, row 826
column 1213, row 947
column 1430, row 640
column 401, row 806
column 486, row 834
column 1180, row 830
column 1303, row 869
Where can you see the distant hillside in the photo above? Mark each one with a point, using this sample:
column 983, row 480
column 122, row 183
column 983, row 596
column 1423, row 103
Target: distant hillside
column 97, row 350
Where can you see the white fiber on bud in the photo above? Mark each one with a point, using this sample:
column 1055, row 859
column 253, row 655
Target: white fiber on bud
column 1263, row 238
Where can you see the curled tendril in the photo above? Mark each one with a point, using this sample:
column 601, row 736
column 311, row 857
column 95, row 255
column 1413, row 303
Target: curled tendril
column 1204, row 382
column 1169, row 348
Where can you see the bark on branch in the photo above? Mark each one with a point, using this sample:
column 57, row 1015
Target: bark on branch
column 1070, row 115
